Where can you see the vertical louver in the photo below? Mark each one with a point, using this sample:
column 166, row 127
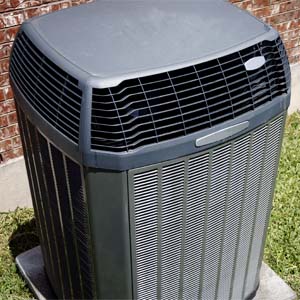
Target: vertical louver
column 198, row 223
column 61, row 210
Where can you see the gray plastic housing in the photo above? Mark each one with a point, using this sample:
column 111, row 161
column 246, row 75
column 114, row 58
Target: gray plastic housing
column 106, row 42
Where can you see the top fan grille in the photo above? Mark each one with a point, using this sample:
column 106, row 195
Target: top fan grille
column 161, row 107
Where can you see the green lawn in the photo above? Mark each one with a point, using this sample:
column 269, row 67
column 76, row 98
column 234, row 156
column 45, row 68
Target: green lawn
column 17, row 233
column 282, row 253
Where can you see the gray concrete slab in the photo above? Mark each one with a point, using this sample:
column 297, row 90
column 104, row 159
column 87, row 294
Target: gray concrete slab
column 295, row 97
column 31, row 266
column 272, row 287
column 14, row 186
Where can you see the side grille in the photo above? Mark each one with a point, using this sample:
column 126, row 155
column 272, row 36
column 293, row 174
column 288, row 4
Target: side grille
column 50, row 90
column 156, row 108
column 61, row 211
column 198, row 222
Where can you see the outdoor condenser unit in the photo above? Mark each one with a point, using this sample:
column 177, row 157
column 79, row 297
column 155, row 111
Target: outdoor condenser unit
column 151, row 132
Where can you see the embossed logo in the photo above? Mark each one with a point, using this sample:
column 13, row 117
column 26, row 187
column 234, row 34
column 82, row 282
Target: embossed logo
column 255, row 63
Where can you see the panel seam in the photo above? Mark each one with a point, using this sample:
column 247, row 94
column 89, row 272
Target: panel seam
column 205, row 224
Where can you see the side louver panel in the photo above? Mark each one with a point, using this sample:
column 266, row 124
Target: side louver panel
column 198, row 223
column 52, row 92
column 60, row 208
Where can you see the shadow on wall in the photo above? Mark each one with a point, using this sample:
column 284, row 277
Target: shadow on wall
column 24, row 238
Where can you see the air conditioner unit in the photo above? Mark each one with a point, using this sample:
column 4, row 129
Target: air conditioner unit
column 151, row 132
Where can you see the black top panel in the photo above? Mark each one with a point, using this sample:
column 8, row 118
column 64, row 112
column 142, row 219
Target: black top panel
column 113, row 39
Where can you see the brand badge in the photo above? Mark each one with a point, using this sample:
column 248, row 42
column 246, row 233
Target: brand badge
column 255, row 63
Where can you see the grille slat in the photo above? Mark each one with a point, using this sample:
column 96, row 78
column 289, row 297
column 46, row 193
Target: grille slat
column 48, row 62
column 174, row 76
column 43, row 107
column 62, row 213
column 36, row 70
column 261, row 222
column 39, row 202
column 183, row 106
column 160, row 107
column 36, row 87
column 51, row 91
column 37, row 77
column 201, row 215
column 160, row 90
column 256, row 162
column 81, row 226
column 48, row 69
column 147, row 257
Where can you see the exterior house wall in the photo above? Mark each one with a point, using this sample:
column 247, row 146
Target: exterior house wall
column 284, row 16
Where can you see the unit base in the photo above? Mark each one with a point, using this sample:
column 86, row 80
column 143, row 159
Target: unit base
column 31, row 266
column 253, row 294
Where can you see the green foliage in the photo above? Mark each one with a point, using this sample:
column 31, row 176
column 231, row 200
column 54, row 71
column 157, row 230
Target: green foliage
column 282, row 252
column 17, row 234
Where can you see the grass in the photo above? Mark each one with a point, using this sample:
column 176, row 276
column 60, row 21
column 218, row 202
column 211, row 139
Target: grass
column 282, row 252
column 17, row 234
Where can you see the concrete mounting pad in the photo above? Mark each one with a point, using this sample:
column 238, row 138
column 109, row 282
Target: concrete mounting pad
column 31, row 266
column 272, row 287
column 295, row 96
